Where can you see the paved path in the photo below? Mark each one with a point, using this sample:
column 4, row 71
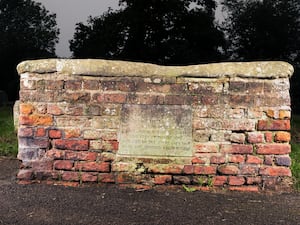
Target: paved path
column 47, row 204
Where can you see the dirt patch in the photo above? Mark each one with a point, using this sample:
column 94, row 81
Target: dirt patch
column 47, row 204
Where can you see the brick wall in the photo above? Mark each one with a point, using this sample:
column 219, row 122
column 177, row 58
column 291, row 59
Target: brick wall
column 73, row 127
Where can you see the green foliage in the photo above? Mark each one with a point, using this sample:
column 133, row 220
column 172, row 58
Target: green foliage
column 188, row 189
column 28, row 31
column 163, row 31
column 8, row 137
column 295, row 154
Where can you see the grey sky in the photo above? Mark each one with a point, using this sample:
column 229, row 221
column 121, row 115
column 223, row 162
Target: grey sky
column 70, row 12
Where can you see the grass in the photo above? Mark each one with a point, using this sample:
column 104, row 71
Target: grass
column 8, row 136
column 295, row 154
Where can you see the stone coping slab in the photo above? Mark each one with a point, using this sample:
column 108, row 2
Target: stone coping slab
column 112, row 68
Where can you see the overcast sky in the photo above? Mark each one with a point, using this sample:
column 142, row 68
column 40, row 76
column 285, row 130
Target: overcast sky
column 70, row 12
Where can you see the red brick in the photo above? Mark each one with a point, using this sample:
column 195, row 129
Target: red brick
column 205, row 170
column 254, row 159
column 166, row 168
column 106, row 178
column 244, row 188
column 70, row 176
column 236, row 181
column 269, row 160
column 89, row 177
column 248, row 169
column 236, row 148
column 55, row 154
column 93, row 166
column 217, row 159
column 275, row 171
column 174, row 100
column 91, row 84
column 25, row 132
column 269, row 137
column 206, row 148
column 282, row 136
column 253, row 180
column 255, row 137
column 73, row 84
column 55, row 134
column 162, row 179
column 25, row 174
column 26, row 109
column 220, row 180
column 236, row 158
column 40, row 132
column 115, row 98
column 228, row 169
column 54, row 84
column 270, row 149
column 188, row 169
column 197, row 160
column 275, row 125
column 78, row 145
column 63, row 165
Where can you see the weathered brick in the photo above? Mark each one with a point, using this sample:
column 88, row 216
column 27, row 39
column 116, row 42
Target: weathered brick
column 236, row 181
column 25, row 132
column 54, row 84
column 228, row 169
column 73, row 84
column 55, row 134
column 55, row 154
column 282, row 136
column 248, row 169
column 40, row 132
column 93, row 166
column 188, row 169
column 276, row 125
column 205, row 170
column 26, row 109
column 284, row 114
column 174, row 100
column 269, row 137
column 236, row 158
column 181, row 180
column 275, row 171
column 199, row 160
column 269, row 160
column 72, row 133
column 123, row 167
column 236, row 148
column 237, row 138
column 162, row 179
column 247, row 188
column 70, row 176
column 276, row 149
column 253, row 180
column 106, row 178
column 206, row 147
column 91, row 84
column 82, row 156
column 166, row 168
column 220, row 180
column 79, row 145
column 36, row 120
column 217, row 159
column 145, row 99
column 89, row 177
column 251, row 159
column 283, row 161
column 25, row 174
column 91, row 134
column 63, row 165
column 78, row 97
column 255, row 137
column 115, row 98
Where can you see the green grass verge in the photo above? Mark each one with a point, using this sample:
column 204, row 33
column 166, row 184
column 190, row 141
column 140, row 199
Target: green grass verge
column 295, row 154
column 8, row 136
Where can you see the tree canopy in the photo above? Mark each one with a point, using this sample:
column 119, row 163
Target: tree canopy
column 263, row 29
column 28, row 31
column 158, row 31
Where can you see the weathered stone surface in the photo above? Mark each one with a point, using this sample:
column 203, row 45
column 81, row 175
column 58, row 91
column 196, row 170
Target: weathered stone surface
column 98, row 67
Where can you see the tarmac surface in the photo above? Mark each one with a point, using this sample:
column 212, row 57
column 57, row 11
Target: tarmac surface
column 39, row 204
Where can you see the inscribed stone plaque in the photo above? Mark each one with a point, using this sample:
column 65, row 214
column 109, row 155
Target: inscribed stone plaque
column 156, row 130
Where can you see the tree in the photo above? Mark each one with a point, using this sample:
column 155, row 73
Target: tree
column 157, row 31
column 263, row 29
column 28, row 31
